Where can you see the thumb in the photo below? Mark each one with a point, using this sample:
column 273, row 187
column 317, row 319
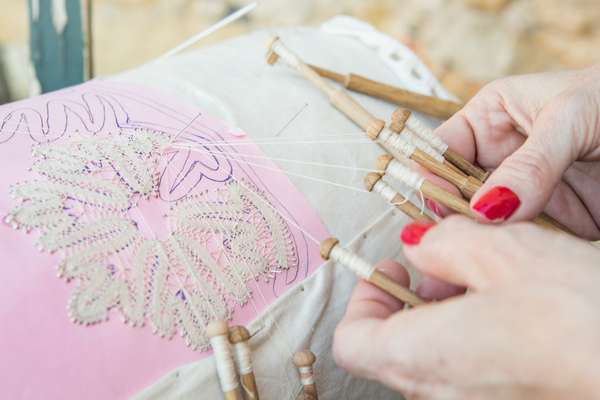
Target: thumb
column 523, row 183
column 447, row 251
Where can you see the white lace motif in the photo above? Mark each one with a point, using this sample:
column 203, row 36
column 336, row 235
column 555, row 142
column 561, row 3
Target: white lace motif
column 217, row 241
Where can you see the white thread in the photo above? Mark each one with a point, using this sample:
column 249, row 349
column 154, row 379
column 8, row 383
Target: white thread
column 397, row 142
column 422, row 145
column 317, row 164
column 306, row 376
column 426, row 134
column 356, row 264
column 385, row 190
column 312, row 178
column 406, row 175
column 224, row 361
column 287, row 56
column 242, row 357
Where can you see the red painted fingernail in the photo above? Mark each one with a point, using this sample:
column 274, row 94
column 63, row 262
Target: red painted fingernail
column 413, row 233
column 433, row 206
column 498, row 204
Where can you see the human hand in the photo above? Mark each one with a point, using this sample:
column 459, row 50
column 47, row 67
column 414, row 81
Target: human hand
column 528, row 328
column 534, row 130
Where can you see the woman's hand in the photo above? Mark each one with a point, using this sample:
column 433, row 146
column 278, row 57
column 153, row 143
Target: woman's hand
column 535, row 130
column 529, row 327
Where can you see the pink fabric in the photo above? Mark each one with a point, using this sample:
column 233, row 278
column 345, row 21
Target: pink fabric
column 44, row 355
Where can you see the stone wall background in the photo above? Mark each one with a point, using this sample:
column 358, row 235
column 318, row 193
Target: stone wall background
column 466, row 42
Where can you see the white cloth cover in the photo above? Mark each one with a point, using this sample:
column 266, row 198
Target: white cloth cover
column 232, row 81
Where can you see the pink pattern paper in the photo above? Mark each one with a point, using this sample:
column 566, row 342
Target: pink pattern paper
column 44, row 354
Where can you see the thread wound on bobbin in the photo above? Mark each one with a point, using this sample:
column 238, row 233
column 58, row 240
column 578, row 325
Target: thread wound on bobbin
column 304, row 358
column 371, row 179
column 326, row 246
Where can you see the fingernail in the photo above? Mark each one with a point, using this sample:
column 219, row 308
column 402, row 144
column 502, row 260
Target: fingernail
column 433, row 206
column 413, row 233
column 498, row 204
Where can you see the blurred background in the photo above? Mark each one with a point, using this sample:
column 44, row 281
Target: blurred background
column 465, row 42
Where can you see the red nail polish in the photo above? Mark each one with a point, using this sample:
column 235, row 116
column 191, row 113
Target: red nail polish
column 413, row 233
column 498, row 204
column 433, row 206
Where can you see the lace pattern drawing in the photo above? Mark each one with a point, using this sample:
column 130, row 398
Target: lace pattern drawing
column 165, row 237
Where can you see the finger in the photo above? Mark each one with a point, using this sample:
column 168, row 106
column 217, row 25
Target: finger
column 437, row 350
column 520, row 188
column 461, row 252
column 483, row 131
column 437, row 208
column 368, row 307
column 433, row 289
column 368, row 301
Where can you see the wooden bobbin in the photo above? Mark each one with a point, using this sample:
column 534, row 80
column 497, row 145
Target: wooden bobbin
column 402, row 118
column 338, row 97
column 400, row 202
column 466, row 184
column 304, row 361
column 460, row 205
column 218, row 334
column 330, row 248
column 430, row 189
column 429, row 105
column 239, row 337
column 399, row 124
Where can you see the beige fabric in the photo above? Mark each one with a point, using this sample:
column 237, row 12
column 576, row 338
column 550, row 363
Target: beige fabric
column 233, row 81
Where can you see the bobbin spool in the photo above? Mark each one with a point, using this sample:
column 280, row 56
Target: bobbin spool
column 304, row 360
column 402, row 118
column 239, row 337
column 423, row 139
column 373, row 182
column 374, row 128
column 388, row 164
column 330, row 249
column 218, row 334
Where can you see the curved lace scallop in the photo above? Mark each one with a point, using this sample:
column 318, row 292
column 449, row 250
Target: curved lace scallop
column 218, row 240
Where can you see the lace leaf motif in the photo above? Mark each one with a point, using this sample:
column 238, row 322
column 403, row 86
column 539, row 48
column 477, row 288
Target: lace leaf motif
column 219, row 241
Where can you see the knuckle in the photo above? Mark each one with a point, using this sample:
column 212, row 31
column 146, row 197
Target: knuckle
column 530, row 165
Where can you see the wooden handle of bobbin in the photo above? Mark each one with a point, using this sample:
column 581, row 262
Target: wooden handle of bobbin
column 239, row 337
column 339, row 97
column 465, row 166
column 377, row 278
column 304, row 361
column 426, row 104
